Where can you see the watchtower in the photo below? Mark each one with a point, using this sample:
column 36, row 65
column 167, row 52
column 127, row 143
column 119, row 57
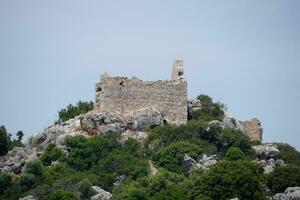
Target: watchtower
column 178, row 72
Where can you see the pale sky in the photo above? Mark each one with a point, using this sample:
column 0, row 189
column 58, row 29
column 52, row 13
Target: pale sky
column 244, row 53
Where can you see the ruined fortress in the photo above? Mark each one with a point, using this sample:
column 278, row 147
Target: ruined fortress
column 122, row 95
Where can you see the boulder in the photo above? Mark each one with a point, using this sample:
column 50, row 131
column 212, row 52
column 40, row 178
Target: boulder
column 30, row 197
column 266, row 151
column 119, row 179
column 145, row 119
column 101, row 123
column 291, row 193
column 207, row 161
column 229, row 122
column 190, row 164
column 101, row 194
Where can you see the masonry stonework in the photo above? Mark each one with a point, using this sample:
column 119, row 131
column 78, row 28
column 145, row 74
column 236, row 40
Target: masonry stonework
column 122, row 95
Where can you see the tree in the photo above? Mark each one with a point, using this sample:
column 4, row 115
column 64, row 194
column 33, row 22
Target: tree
column 74, row 110
column 209, row 110
column 20, row 135
column 229, row 179
column 4, row 141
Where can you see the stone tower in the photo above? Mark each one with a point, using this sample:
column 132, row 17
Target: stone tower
column 178, row 72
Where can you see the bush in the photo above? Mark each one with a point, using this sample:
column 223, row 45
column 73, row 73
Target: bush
column 51, row 153
column 71, row 111
column 289, row 154
column 163, row 179
column 85, row 189
column 228, row 179
column 62, row 195
column 5, row 181
column 28, row 180
column 86, row 152
column 170, row 157
column 234, row 153
column 283, row 177
column 176, row 192
column 209, row 110
column 34, row 167
column 232, row 137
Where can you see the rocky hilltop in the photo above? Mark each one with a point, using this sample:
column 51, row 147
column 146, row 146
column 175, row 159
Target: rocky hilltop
column 136, row 125
column 143, row 140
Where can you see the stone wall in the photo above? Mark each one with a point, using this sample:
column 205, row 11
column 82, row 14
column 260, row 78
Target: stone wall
column 253, row 129
column 122, row 95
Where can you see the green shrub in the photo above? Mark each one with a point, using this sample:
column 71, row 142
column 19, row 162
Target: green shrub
column 163, row 179
column 51, row 153
column 119, row 163
column 5, row 181
column 176, row 192
column 86, row 152
column 62, row 195
column 234, row 153
column 34, row 167
column 135, row 194
column 232, row 137
column 229, row 179
column 283, row 177
column 71, row 111
column 41, row 192
column 209, row 110
column 289, row 154
column 28, row 180
column 170, row 157
column 85, row 189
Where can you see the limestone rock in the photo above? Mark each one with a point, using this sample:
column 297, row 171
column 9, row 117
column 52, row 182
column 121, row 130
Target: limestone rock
column 120, row 179
column 153, row 169
column 30, row 197
column 207, row 161
column 266, row 151
column 190, row 164
column 253, row 129
column 229, row 122
column 145, row 119
column 291, row 193
column 101, row 194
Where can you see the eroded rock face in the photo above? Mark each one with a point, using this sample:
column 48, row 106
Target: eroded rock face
column 146, row 118
column 291, row 193
column 101, row 124
column 253, row 129
column 101, row 194
column 267, row 156
column 266, row 151
column 229, row 122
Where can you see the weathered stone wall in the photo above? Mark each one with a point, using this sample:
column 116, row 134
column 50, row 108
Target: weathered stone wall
column 123, row 95
column 253, row 129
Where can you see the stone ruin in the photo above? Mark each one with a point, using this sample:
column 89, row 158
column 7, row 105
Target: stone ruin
column 123, row 95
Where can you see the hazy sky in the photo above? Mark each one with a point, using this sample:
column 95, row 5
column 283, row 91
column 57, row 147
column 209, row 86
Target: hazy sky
column 244, row 53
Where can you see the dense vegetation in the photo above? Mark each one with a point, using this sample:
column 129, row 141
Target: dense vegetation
column 73, row 110
column 124, row 168
column 7, row 143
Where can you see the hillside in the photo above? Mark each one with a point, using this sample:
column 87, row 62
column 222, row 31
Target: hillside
column 101, row 156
